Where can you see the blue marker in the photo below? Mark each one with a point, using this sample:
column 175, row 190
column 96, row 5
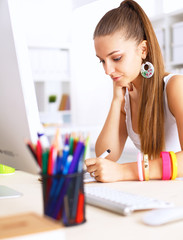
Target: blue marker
column 57, row 187
column 65, row 155
column 73, row 168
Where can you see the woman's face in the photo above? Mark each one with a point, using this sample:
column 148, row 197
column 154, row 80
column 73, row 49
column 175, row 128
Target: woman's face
column 121, row 58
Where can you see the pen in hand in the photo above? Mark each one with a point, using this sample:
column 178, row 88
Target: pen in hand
column 105, row 154
column 89, row 177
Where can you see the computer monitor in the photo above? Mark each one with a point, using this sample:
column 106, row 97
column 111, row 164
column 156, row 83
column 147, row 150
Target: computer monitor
column 19, row 116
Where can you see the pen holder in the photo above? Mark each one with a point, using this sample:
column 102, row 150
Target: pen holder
column 64, row 198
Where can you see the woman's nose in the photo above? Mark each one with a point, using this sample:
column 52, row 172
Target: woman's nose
column 109, row 69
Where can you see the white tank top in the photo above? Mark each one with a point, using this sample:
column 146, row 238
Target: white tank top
column 171, row 132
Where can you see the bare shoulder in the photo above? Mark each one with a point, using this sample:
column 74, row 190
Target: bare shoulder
column 175, row 93
column 174, row 80
column 175, row 86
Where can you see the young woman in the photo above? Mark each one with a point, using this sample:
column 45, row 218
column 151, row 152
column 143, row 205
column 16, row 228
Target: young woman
column 147, row 102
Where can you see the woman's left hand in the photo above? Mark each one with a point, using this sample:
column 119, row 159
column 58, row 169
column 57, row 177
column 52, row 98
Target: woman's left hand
column 104, row 170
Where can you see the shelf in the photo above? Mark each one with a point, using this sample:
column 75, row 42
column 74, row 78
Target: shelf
column 177, row 13
column 64, row 80
column 55, row 117
column 176, row 64
column 50, row 64
column 167, row 26
column 60, row 113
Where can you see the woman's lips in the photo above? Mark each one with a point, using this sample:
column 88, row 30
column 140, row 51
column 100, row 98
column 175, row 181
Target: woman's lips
column 115, row 78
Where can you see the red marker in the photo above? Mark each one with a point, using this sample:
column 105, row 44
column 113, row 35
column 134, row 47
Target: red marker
column 80, row 209
column 39, row 153
column 51, row 160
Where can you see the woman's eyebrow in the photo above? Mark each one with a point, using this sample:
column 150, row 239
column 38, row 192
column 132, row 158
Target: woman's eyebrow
column 110, row 53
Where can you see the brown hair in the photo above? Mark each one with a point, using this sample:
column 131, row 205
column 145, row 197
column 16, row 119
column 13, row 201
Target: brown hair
column 131, row 20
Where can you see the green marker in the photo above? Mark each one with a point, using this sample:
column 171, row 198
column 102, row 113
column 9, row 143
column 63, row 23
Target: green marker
column 45, row 155
column 71, row 145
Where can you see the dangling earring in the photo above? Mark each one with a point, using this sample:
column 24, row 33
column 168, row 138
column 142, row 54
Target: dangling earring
column 149, row 72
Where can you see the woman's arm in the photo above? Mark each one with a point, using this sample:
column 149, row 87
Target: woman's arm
column 114, row 134
column 109, row 171
column 175, row 102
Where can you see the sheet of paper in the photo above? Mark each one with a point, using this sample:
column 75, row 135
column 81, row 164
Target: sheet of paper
column 88, row 178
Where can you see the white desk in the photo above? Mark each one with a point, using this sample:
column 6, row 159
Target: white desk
column 100, row 224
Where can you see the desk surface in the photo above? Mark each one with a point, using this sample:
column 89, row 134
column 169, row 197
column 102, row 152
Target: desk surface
column 100, row 224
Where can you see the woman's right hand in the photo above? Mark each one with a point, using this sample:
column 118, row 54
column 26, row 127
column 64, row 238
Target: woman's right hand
column 119, row 91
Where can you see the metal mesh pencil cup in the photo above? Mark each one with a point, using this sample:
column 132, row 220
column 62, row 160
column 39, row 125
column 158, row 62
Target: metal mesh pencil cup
column 64, row 198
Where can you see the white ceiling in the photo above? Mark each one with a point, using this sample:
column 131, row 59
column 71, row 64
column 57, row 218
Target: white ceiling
column 79, row 3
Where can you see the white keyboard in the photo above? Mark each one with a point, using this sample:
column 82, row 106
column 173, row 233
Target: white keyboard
column 120, row 202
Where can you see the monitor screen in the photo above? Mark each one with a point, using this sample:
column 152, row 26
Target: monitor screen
column 19, row 118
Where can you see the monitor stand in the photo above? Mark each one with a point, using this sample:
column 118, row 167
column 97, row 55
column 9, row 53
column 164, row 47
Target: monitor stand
column 6, row 192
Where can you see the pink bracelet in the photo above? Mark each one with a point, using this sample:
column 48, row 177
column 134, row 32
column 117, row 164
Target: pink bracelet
column 166, row 165
column 139, row 164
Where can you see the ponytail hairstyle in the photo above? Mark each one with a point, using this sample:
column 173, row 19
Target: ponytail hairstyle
column 131, row 20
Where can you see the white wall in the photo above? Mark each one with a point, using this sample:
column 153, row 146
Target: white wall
column 91, row 88
column 169, row 5
column 46, row 21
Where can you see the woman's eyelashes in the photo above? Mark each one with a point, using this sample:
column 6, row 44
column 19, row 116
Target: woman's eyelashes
column 117, row 59
column 101, row 61
column 114, row 59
